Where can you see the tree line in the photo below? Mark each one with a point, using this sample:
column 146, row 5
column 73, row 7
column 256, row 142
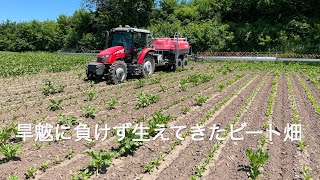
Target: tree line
column 284, row 26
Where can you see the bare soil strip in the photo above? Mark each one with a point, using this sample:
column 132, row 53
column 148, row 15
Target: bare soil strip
column 282, row 163
column 309, row 120
column 195, row 152
column 169, row 159
column 230, row 161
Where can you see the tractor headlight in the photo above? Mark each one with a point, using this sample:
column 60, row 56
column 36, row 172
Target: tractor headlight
column 102, row 58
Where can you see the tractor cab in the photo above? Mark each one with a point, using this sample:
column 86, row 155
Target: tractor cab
column 133, row 41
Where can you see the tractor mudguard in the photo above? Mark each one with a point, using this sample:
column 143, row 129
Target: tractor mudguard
column 143, row 54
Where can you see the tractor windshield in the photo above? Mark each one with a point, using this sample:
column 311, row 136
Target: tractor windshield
column 122, row 39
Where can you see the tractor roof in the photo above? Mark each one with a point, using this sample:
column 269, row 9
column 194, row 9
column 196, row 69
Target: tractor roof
column 130, row 29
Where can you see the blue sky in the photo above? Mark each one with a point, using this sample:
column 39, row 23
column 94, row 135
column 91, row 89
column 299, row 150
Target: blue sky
column 27, row 10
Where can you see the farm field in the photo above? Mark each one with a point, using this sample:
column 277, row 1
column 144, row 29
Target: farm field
column 227, row 94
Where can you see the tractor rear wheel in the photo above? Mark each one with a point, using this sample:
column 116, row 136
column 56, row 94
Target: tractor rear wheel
column 179, row 63
column 148, row 66
column 185, row 63
column 117, row 72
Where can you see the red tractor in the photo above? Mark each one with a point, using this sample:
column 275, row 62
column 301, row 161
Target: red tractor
column 133, row 51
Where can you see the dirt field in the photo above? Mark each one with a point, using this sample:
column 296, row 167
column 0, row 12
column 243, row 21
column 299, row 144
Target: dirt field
column 234, row 93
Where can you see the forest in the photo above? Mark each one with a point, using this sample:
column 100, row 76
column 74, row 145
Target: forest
column 282, row 26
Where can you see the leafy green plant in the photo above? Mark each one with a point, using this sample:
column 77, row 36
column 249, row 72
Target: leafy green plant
column 127, row 145
column 10, row 150
column 44, row 166
column 185, row 110
column 220, row 87
column 6, row 133
column 51, row 89
column 306, row 173
column 302, row 145
column 90, row 95
column 100, row 160
column 265, row 126
column 200, row 100
column 82, row 175
column 90, row 112
column 157, row 119
column 140, row 83
column 57, row 160
column 163, row 88
column 67, row 120
column 38, row 145
column 55, row 104
column 30, row 173
column 183, row 86
column 70, row 153
column 152, row 164
column 145, row 99
column 12, row 177
column 112, row 103
column 263, row 141
column 155, row 80
column 257, row 160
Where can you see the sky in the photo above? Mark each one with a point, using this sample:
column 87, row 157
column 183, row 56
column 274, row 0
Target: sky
column 27, row 10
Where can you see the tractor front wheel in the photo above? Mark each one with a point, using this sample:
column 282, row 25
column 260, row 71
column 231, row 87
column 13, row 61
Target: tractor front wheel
column 148, row 66
column 118, row 72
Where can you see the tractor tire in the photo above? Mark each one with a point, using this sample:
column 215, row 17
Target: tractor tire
column 185, row 63
column 148, row 66
column 117, row 72
column 179, row 63
column 172, row 68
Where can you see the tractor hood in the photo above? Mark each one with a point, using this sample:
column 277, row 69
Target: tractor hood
column 112, row 54
column 110, row 51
